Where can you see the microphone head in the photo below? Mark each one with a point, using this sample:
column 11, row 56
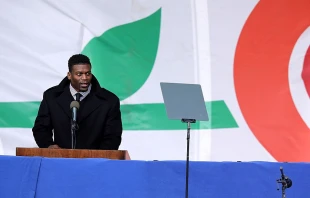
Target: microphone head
column 289, row 182
column 75, row 104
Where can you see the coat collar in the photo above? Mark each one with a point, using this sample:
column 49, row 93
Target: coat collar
column 94, row 99
column 96, row 89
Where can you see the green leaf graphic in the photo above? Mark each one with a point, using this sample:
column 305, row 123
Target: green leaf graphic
column 123, row 57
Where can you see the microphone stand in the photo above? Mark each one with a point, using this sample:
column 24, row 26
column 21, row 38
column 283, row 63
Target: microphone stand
column 74, row 127
column 188, row 121
column 285, row 181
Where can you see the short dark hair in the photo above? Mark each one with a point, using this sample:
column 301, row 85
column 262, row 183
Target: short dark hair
column 78, row 59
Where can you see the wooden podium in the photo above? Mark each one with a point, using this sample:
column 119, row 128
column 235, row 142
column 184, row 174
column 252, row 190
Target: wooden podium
column 73, row 153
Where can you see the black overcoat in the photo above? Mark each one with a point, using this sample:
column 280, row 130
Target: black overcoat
column 99, row 119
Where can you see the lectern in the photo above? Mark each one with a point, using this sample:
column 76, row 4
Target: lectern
column 73, row 153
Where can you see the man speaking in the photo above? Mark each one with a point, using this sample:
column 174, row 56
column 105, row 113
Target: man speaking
column 98, row 116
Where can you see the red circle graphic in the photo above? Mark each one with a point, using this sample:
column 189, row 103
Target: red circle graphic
column 261, row 77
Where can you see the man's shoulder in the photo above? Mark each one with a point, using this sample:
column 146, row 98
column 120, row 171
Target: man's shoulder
column 57, row 88
column 50, row 91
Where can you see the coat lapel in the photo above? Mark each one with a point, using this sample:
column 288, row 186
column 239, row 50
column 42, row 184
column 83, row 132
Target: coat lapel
column 64, row 100
column 92, row 103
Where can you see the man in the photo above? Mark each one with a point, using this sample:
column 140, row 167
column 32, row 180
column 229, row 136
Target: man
column 98, row 118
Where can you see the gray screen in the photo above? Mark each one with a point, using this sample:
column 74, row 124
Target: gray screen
column 184, row 101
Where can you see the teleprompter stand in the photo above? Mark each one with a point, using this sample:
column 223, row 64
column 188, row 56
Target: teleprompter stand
column 185, row 102
column 188, row 121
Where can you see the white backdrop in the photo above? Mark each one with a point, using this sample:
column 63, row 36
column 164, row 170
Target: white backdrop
column 189, row 41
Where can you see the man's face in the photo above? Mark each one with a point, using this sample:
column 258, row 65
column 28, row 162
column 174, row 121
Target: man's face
column 80, row 77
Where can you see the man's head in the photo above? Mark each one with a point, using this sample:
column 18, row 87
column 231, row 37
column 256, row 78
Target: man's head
column 79, row 72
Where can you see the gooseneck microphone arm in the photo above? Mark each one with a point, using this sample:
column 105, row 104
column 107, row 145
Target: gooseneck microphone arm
column 74, row 106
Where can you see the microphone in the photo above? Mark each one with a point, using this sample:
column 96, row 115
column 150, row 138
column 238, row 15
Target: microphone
column 74, row 106
column 282, row 174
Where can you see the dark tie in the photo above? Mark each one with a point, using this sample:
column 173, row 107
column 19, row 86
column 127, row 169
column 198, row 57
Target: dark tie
column 78, row 96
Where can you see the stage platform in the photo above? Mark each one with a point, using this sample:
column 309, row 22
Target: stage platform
column 29, row 177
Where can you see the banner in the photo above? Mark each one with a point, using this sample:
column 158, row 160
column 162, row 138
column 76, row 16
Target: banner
column 249, row 57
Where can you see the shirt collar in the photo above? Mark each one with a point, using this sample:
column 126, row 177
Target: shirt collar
column 84, row 94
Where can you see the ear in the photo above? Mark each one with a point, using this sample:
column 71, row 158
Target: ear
column 69, row 75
